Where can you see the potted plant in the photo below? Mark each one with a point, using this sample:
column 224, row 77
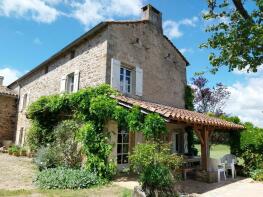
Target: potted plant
column 16, row 151
column 23, row 152
column 10, row 150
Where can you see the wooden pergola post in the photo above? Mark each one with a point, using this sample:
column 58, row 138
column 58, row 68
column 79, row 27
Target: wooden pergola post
column 204, row 134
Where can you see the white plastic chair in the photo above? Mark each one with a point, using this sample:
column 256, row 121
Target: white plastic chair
column 216, row 166
column 230, row 160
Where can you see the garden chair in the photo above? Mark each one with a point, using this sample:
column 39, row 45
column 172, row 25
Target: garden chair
column 230, row 160
column 216, row 166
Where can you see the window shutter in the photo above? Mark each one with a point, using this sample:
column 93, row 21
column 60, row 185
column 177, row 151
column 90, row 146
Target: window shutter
column 115, row 73
column 63, row 84
column 21, row 103
column 76, row 81
column 28, row 99
column 139, row 81
column 185, row 142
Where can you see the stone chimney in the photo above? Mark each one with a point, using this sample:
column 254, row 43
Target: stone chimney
column 1, row 80
column 153, row 15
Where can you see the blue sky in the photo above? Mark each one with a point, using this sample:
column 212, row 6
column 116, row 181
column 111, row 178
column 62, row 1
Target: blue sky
column 33, row 30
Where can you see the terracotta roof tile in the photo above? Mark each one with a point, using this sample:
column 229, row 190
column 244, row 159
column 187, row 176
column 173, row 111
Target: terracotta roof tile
column 6, row 91
column 181, row 115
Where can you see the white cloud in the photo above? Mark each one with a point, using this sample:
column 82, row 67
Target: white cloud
column 36, row 10
column 172, row 28
column 249, row 74
column 186, row 50
column 9, row 74
column 87, row 12
column 90, row 12
column 246, row 101
column 37, row 41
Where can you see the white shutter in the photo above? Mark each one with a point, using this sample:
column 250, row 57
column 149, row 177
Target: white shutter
column 185, row 142
column 115, row 73
column 63, row 84
column 139, row 81
column 28, row 99
column 21, row 103
column 76, row 81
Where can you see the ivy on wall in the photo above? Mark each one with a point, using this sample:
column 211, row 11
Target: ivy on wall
column 93, row 108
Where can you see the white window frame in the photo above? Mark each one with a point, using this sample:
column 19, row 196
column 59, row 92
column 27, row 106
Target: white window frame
column 70, row 84
column 122, row 133
column 123, row 84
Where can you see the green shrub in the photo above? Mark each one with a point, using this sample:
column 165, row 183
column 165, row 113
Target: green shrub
column 63, row 178
column 156, row 176
column 66, row 145
column 257, row 175
column 47, row 157
column 158, row 168
column 252, row 160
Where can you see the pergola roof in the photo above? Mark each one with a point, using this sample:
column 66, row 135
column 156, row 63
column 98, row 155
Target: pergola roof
column 179, row 115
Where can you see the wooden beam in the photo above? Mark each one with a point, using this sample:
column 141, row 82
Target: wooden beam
column 198, row 131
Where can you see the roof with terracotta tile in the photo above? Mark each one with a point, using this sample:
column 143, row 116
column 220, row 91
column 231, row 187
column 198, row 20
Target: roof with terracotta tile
column 6, row 91
column 179, row 115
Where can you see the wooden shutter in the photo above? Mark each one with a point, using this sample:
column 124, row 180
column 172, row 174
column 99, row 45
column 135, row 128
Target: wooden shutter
column 115, row 73
column 185, row 142
column 139, row 81
column 63, row 84
column 76, row 81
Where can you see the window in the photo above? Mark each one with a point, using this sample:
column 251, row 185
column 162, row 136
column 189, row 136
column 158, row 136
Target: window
column 72, row 54
column 70, row 83
column 122, row 147
column 24, row 104
column 175, row 143
column 125, row 80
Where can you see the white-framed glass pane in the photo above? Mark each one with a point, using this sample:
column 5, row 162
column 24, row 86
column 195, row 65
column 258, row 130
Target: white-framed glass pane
column 70, row 83
column 122, row 146
column 125, row 80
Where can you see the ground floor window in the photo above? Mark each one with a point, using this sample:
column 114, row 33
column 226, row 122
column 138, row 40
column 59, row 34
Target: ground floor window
column 175, row 142
column 122, row 146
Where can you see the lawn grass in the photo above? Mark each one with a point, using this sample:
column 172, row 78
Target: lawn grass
column 109, row 191
column 216, row 151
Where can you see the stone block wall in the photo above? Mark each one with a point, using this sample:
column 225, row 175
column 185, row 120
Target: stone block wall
column 8, row 112
column 164, row 70
column 89, row 60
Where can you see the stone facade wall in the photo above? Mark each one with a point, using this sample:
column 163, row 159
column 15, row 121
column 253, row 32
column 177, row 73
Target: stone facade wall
column 90, row 61
column 164, row 70
column 140, row 43
column 8, row 110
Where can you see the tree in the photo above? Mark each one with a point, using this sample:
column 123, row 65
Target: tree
column 237, row 37
column 209, row 99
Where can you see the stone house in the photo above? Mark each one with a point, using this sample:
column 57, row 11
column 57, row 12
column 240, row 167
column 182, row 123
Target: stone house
column 136, row 59
column 8, row 111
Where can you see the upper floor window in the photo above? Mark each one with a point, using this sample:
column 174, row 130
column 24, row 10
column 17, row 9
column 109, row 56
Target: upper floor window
column 70, row 83
column 125, row 80
column 72, row 54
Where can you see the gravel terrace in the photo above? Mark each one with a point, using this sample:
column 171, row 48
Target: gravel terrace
column 16, row 172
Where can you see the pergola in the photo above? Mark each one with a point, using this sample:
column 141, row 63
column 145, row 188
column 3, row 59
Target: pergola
column 202, row 124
